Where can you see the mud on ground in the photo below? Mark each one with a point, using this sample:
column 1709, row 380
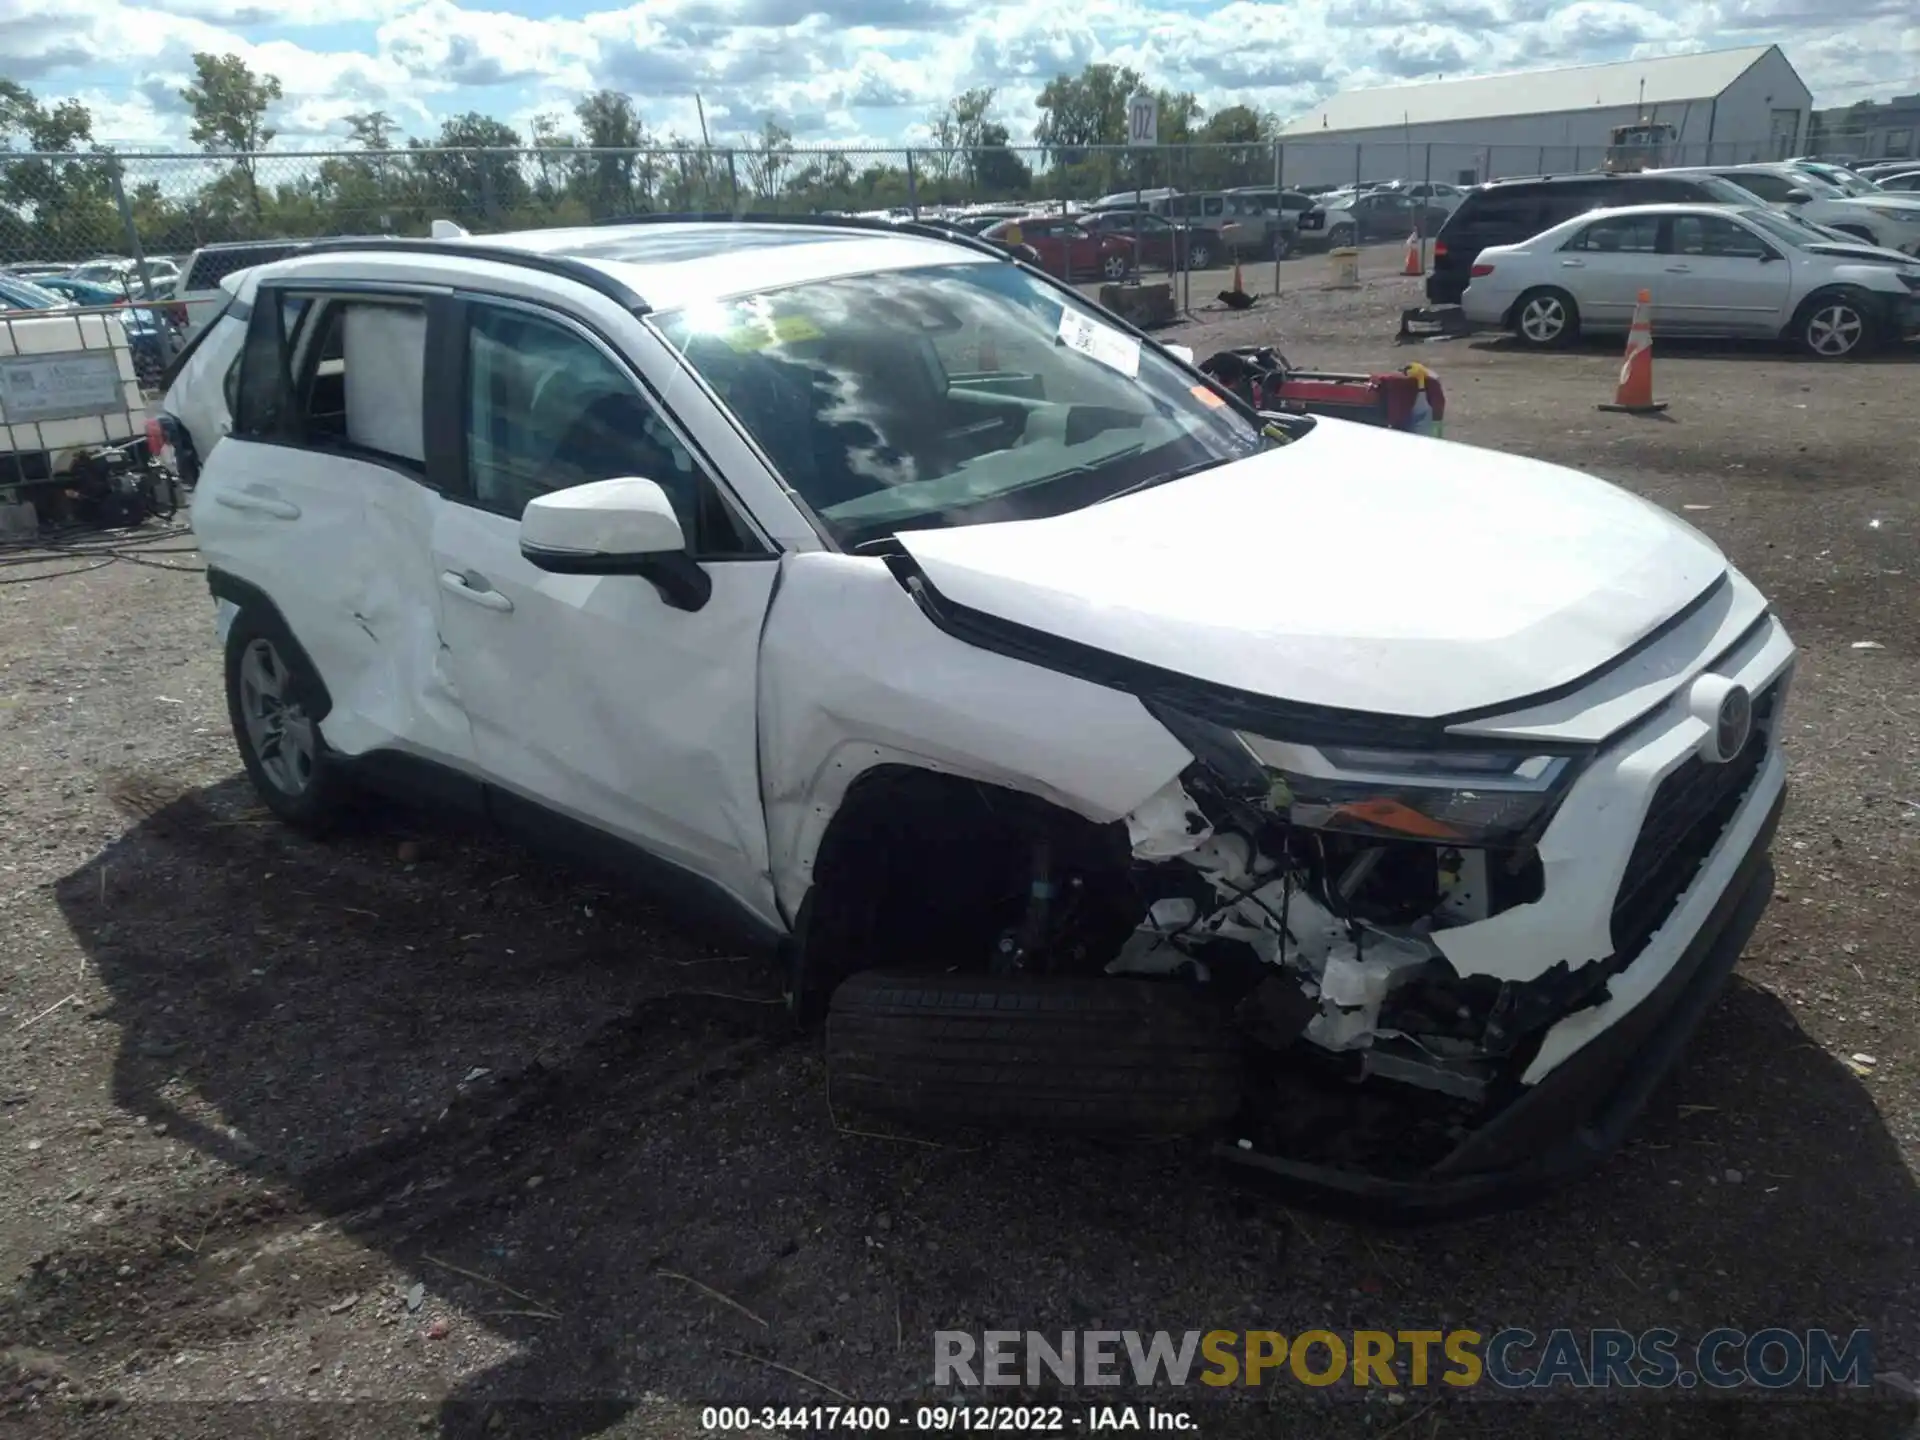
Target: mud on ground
column 415, row 1121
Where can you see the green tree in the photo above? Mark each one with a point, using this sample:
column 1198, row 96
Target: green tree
column 57, row 208
column 610, row 126
column 371, row 130
column 998, row 171
column 768, row 157
column 229, row 104
column 1084, row 110
column 467, row 172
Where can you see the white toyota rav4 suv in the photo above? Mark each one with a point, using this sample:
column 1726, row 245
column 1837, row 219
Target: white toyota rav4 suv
column 1027, row 694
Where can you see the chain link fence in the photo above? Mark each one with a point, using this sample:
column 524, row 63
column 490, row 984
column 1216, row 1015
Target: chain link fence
column 61, row 210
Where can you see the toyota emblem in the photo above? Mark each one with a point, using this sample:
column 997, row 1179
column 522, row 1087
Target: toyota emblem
column 1735, row 724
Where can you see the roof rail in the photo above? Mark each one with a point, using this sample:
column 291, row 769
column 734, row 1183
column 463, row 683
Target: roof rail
column 824, row 222
column 563, row 266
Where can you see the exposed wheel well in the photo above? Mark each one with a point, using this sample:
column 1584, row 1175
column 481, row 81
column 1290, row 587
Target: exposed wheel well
column 922, row 870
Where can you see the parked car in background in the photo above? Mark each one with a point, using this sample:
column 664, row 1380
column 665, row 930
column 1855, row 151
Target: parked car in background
column 1067, row 248
column 1376, row 215
column 32, row 269
column 1876, row 216
column 949, row 227
column 973, row 222
column 1881, row 168
column 19, row 293
column 199, row 286
column 118, row 271
column 1711, row 270
column 1505, row 212
column 1162, row 244
column 1899, row 182
column 82, row 292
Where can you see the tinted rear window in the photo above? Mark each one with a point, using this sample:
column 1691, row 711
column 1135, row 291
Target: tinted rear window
column 210, row 267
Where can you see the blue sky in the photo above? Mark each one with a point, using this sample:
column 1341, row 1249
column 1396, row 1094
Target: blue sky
column 872, row 71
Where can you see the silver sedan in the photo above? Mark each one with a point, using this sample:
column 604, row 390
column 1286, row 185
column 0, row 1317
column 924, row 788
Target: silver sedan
column 1717, row 270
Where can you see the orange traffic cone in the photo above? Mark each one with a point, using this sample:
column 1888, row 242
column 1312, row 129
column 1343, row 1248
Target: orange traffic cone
column 1634, row 394
column 1414, row 264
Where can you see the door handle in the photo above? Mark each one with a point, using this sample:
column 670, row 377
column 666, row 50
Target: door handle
column 471, row 586
column 1573, row 264
column 1679, row 269
column 259, row 505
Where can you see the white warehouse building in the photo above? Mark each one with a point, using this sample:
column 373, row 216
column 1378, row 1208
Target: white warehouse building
column 1728, row 106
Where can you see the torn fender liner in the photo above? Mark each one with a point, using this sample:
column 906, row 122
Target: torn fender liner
column 1168, row 823
column 1578, row 1115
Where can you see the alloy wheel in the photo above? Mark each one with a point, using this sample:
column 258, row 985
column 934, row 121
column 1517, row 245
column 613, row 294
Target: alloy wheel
column 1835, row 329
column 278, row 727
column 1543, row 319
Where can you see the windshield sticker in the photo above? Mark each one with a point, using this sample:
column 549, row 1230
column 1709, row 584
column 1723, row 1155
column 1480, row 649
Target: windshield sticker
column 1099, row 342
column 1207, row 396
column 783, row 330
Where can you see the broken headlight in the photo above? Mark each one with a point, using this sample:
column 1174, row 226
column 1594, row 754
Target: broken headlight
column 1480, row 798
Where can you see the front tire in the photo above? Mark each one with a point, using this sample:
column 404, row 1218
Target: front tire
column 1546, row 319
column 1114, row 267
column 1834, row 326
column 1199, row 256
column 1340, row 236
column 271, row 698
column 1282, row 245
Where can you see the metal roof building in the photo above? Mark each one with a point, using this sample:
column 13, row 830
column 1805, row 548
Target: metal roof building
column 1727, row 105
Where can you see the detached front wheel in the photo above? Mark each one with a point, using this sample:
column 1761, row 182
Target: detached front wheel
column 1096, row 1056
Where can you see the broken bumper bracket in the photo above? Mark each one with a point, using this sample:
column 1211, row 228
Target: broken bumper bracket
column 1528, row 1148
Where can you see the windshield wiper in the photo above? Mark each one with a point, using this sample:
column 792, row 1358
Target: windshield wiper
column 1168, row 476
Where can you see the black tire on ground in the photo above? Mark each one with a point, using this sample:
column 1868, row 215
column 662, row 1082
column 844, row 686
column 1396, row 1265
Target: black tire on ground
column 1092, row 1056
column 299, row 780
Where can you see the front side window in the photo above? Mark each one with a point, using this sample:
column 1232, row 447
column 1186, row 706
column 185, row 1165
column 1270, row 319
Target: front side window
column 950, row 395
column 335, row 372
column 1710, row 235
column 547, row 409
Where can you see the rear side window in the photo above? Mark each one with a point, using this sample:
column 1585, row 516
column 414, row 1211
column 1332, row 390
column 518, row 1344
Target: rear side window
column 1763, row 183
column 1619, row 234
column 335, row 373
column 1503, row 214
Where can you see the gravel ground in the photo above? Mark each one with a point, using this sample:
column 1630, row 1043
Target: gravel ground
column 412, row 1120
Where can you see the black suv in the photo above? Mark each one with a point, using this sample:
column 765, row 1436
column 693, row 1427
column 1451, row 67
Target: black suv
column 1505, row 212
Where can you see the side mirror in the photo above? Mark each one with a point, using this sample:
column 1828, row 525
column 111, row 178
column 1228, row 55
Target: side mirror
column 614, row 527
column 1797, row 196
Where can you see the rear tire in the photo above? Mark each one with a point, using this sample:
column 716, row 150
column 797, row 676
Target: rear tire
column 271, row 698
column 1546, row 319
column 1282, row 245
column 1835, row 325
column 1340, row 236
column 1080, row 1056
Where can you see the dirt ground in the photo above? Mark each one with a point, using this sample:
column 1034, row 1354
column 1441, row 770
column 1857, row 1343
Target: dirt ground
column 413, row 1121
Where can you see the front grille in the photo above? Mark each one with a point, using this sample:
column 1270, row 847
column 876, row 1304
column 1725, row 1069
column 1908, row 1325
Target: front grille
column 1690, row 811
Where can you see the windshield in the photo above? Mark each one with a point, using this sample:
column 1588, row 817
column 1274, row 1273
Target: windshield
column 1787, row 229
column 1846, row 181
column 1818, row 188
column 951, row 395
column 100, row 271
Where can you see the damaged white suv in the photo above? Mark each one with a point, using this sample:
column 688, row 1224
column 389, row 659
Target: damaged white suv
column 916, row 615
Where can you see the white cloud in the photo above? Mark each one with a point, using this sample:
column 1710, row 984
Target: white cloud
column 872, row 69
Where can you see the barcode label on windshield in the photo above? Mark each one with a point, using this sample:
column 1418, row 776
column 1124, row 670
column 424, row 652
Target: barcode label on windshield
column 1099, row 342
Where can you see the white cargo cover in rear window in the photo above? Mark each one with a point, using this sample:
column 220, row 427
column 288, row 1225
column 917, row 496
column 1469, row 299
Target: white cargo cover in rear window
column 385, row 353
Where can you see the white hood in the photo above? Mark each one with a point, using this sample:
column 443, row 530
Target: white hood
column 1357, row 568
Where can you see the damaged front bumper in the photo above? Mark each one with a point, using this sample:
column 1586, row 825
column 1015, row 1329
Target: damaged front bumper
column 1647, row 883
column 1575, row 1118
